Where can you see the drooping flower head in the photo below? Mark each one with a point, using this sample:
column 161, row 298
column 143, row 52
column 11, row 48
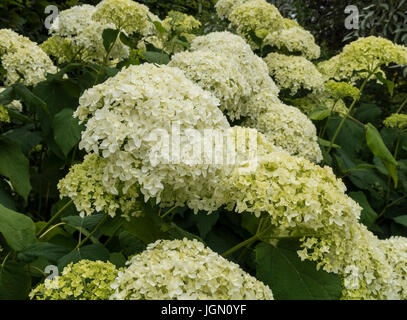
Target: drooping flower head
column 363, row 56
column 23, row 60
column 185, row 269
column 294, row 40
column 85, row 280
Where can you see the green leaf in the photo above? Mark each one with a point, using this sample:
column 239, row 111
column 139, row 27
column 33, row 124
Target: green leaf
column 368, row 216
column 388, row 83
column 109, row 37
column 401, row 220
column 292, row 279
column 7, row 96
column 91, row 252
column 130, row 245
column 319, row 114
column 49, row 251
column 87, row 222
column 15, row 281
column 24, row 136
column 147, row 228
column 118, row 259
column 67, row 130
column 17, row 229
column 376, row 145
column 205, row 222
column 156, row 57
column 15, row 166
column 30, row 99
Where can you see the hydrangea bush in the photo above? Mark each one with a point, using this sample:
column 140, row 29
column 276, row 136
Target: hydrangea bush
column 149, row 156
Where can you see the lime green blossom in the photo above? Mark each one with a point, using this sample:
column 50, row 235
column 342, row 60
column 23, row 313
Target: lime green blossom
column 294, row 40
column 23, row 60
column 4, row 116
column 312, row 101
column 225, row 7
column 396, row 120
column 87, row 184
column 256, row 16
column 85, row 280
column 341, row 90
column 362, row 56
column 294, row 73
column 185, row 269
column 125, row 15
column 180, row 23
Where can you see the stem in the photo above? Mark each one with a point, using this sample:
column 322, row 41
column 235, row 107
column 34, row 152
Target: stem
column 338, row 130
column 322, row 133
column 168, row 212
column 247, row 242
column 113, row 234
column 5, row 259
column 92, row 233
column 54, row 217
column 53, row 227
column 402, row 106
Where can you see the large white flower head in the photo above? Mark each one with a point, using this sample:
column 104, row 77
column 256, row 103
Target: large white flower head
column 224, row 64
column 294, row 40
column 185, row 269
column 23, row 60
column 256, row 16
column 361, row 57
column 288, row 128
column 77, row 36
column 294, row 73
column 146, row 122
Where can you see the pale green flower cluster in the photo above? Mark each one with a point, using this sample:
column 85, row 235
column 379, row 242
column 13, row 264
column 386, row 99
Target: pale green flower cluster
column 341, row 90
column 180, row 22
column 361, row 57
column 289, row 128
column 4, row 116
column 75, row 35
column 294, row 73
column 370, row 268
column 90, row 188
column 294, row 40
column 185, row 269
column 23, row 60
column 135, row 118
column 85, row 280
column 225, row 7
column 396, row 120
column 312, row 101
column 257, row 16
column 298, row 195
column 125, row 15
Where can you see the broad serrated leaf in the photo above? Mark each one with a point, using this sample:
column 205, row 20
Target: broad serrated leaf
column 91, row 252
column 15, row 281
column 292, row 279
column 67, row 130
column 49, row 251
column 15, row 166
column 17, row 229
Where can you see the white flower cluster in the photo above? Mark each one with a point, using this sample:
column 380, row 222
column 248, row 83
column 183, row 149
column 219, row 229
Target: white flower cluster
column 134, row 117
column 294, row 73
column 185, row 269
column 231, row 71
column 287, row 127
column 75, row 35
column 294, row 40
column 245, row 89
column 22, row 59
